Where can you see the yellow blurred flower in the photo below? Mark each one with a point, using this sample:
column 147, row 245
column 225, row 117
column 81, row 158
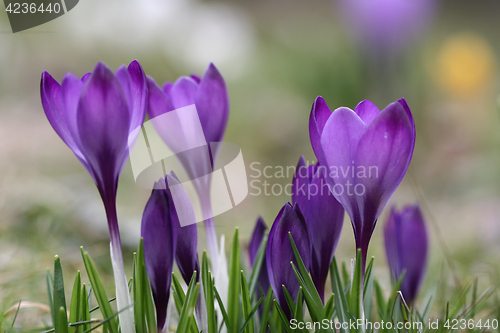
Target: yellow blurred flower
column 466, row 64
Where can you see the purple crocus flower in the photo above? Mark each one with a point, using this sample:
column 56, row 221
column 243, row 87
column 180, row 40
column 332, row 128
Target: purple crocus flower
column 366, row 152
column 209, row 95
column 279, row 253
column 99, row 117
column 159, row 229
column 257, row 237
column 324, row 217
column 406, row 246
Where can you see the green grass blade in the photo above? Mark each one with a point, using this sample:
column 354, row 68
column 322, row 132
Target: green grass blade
column 178, row 293
column 355, row 301
column 341, row 304
column 61, row 321
column 329, row 307
column 267, row 308
column 59, row 296
column 233, row 303
column 313, row 300
column 100, row 293
column 74, row 309
column 289, row 299
column 139, row 316
column 247, row 306
column 186, row 314
column 208, row 288
column 299, row 308
column 223, row 310
column 250, row 316
column 284, row 320
column 84, row 310
column 50, row 293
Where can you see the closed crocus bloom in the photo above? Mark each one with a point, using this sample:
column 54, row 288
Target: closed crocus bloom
column 324, row 217
column 159, row 229
column 279, row 253
column 406, row 248
column 255, row 242
column 209, row 95
column 99, row 117
column 366, row 152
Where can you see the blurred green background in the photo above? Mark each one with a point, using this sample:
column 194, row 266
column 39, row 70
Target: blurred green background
column 276, row 57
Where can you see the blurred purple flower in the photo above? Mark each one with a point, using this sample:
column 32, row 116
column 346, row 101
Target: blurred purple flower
column 210, row 96
column 324, row 217
column 367, row 153
column 406, row 248
column 386, row 25
column 279, row 253
column 99, row 117
column 257, row 237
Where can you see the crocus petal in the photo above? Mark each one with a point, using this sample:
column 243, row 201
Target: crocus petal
column 139, row 93
column 386, row 145
column 159, row 102
column 86, row 77
column 123, row 77
column 405, row 106
column 103, row 123
column 183, row 92
column 196, row 78
column 320, row 113
column 339, row 140
column 300, row 183
column 367, row 111
column 52, row 103
column 279, row 253
column 160, row 234
column 71, row 89
column 212, row 103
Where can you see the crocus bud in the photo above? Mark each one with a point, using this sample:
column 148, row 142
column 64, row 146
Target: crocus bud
column 324, row 217
column 253, row 248
column 406, row 248
column 279, row 253
column 366, row 152
column 159, row 230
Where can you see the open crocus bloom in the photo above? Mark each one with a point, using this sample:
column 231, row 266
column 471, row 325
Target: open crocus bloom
column 99, row 116
column 366, row 152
